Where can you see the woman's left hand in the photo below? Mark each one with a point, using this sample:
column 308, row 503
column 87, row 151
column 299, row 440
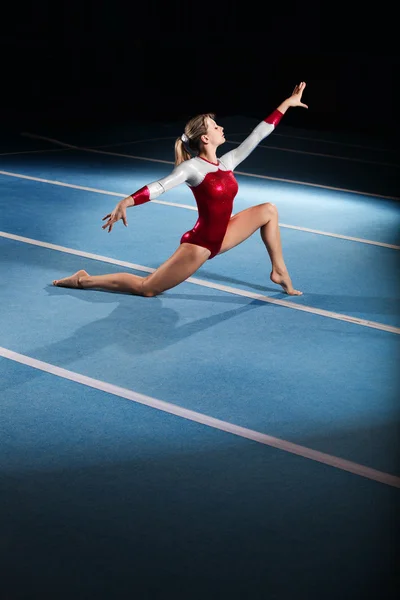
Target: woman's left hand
column 295, row 98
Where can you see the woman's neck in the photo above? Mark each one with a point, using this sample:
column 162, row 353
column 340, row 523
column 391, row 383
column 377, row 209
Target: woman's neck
column 209, row 156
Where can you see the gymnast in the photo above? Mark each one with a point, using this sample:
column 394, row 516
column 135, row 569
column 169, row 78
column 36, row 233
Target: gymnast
column 214, row 187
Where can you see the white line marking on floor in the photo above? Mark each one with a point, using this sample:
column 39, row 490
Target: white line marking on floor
column 130, row 156
column 350, row 145
column 340, row 236
column 276, row 133
column 96, row 151
column 32, row 151
column 88, row 189
column 188, row 207
column 323, row 155
column 204, row 283
column 267, row 147
column 190, row 415
column 141, row 141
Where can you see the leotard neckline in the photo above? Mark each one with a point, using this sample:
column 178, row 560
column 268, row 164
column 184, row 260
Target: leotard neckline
column 209, row 161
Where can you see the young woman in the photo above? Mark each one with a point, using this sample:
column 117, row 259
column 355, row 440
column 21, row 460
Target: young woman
column 214, row 187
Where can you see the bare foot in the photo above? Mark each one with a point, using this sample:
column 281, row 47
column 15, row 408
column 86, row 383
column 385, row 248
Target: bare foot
column 72, row 281
column 282, row 278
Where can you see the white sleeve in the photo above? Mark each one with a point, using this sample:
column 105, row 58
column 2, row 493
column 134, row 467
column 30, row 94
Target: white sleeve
column 179, row 175
column 234, row 157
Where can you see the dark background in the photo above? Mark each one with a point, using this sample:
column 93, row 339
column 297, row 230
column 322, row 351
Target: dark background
column 88, row 64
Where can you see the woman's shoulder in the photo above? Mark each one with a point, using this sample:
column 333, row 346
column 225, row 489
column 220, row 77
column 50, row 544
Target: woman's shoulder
column 186, row 164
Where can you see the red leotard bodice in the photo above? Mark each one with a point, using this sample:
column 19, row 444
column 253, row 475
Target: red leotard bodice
column 214, row 197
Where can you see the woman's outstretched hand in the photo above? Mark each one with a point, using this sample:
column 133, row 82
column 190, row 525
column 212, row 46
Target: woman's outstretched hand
column 295, row 98
column 118, row 213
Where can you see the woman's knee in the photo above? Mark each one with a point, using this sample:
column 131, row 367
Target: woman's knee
column 269, row 210
column 149, row 294
column 147, row 289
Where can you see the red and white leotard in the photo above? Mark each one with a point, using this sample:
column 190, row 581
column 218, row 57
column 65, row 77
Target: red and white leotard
column 213, row 185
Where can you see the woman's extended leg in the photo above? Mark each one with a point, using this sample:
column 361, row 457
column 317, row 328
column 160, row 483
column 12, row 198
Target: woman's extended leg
column 265, row 218
column 182, row 264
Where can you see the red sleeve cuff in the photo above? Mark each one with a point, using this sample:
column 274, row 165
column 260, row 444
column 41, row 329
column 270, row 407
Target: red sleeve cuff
column 141, row 196
column 274, row 118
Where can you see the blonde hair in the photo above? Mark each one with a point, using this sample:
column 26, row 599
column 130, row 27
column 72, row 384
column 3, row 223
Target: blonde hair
column 194, row 129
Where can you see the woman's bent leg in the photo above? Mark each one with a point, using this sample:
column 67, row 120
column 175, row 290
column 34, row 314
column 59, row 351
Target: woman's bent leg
column 265, row 218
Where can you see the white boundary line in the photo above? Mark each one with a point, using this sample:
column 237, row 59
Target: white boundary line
column 204, row 283
column 276, row 133
column 190, row 415
column 169, row 162
column 188, row 207
column 32, row 151
column 350, row 145
column 267, row 147
column 340, row 236
column 323, row 155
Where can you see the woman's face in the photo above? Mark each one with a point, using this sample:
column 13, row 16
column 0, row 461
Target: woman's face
column 215, row 133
